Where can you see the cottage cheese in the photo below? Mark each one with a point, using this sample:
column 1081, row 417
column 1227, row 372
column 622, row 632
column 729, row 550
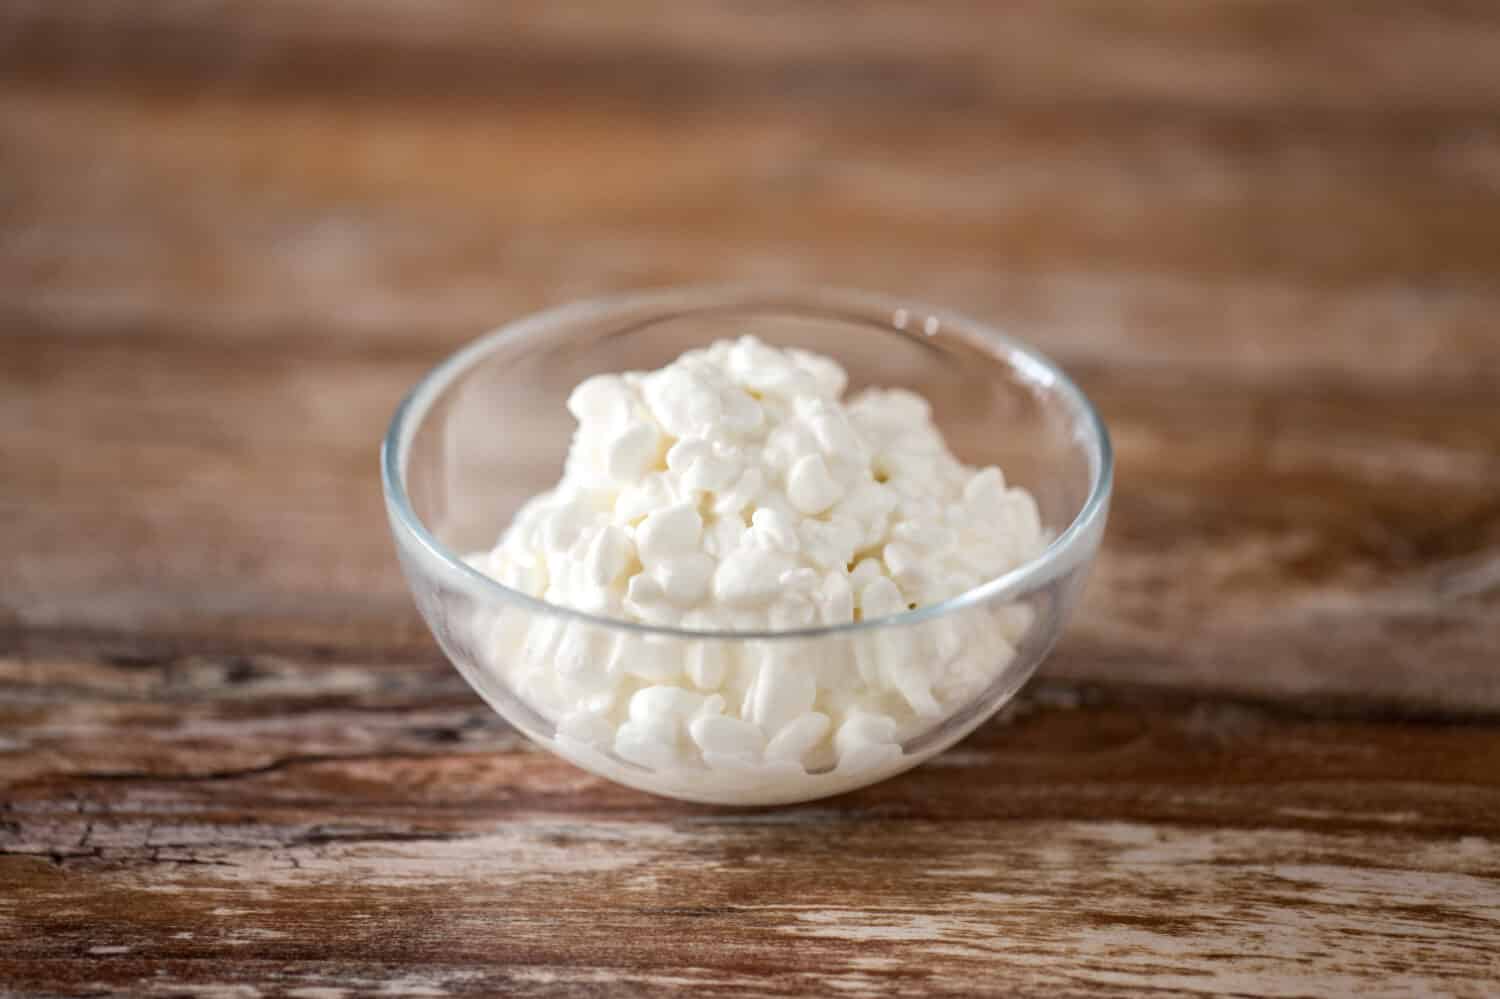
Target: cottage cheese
column 734, row 491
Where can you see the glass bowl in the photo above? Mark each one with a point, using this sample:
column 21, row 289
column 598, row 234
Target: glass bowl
column 488, row 428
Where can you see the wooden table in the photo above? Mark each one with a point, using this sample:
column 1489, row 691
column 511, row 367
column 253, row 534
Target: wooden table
column 1265, row 236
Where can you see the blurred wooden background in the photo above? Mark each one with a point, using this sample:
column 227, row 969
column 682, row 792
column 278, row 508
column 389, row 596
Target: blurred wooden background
column 1265, row 236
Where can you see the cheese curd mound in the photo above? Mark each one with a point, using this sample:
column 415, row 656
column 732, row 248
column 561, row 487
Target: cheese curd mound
column 733, row 490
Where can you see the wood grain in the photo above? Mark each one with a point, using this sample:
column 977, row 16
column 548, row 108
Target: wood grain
column 1264, row 236
column 349, row 824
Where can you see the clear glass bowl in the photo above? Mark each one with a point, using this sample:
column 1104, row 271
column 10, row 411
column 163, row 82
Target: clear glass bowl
column 488, row 428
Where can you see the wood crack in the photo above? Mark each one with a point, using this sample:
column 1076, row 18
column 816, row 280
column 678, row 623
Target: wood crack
column 274, row 766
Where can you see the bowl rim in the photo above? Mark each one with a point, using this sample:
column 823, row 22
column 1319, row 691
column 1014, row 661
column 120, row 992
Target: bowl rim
column 1062, row 554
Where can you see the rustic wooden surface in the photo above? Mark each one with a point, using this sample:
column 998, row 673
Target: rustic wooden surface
column 1266, row 237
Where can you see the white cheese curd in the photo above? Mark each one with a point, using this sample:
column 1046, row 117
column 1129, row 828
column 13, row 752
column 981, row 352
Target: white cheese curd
column 734, row 491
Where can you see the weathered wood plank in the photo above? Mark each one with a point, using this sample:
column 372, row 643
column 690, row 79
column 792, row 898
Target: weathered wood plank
column 341, row 187
column 272, row 822
column 1287, row 553
column 193, row 728
column 1376, row 57
column 539, row 905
